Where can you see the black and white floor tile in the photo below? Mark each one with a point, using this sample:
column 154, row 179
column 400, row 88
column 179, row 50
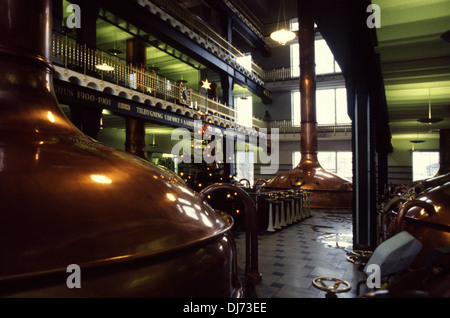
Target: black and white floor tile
column 292, row 257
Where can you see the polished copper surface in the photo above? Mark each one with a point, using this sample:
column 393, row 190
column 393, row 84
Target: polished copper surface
column 134, row 230
column 327, row 189
column 427, row 218
column 251, row 239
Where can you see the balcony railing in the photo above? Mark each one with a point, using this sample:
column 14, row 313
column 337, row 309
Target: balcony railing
column 287, row 127
column 91, row 62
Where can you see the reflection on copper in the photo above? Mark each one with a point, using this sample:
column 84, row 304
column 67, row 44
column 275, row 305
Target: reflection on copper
column 251, row 240
column 100, row 179
column 427, row 218
column 113, row 214
column 328, row 190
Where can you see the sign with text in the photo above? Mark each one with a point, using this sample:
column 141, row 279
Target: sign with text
column 68, row 93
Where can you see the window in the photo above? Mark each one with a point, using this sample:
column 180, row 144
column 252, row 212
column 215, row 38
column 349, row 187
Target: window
column 244, row 165
column 245, row 61
column 331, row 107
column 295, row 108
column 325, row 62
column 339, row 162
column 327, row 160
column 244, row 110
column 295, row 60
column 296, row 157
column 425, row 164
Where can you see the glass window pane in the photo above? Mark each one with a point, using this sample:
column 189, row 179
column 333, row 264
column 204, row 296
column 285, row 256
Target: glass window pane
column 295, row 108
column 244, row 165
column 295, row 60
column 344, row 161
column 341, row 107
column 325, row 106
column 296, row 156
column 327, row 160
column 324, row 58
column 245, row 61
column 425, row 164
column 244, row 110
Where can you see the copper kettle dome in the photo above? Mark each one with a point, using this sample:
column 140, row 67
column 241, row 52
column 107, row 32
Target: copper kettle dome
column 133, row 229
column 328, row 190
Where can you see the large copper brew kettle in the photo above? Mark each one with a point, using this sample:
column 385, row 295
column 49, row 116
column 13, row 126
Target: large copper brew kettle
column 328, row 190
column 65, row 199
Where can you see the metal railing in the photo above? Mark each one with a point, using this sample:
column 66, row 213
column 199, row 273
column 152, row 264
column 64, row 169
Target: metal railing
column 288, row 127
column 280, row 74
column 70, row 54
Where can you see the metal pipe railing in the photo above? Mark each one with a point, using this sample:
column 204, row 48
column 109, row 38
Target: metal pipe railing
column 287, row 126
column 70, row 54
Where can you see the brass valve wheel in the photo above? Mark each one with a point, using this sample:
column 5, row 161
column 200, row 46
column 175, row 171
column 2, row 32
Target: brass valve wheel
column 332, row 290
column 359, row 257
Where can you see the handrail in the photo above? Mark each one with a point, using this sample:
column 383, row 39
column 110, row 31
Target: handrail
column 287, row 126
column 251, row 230
column 86, row 60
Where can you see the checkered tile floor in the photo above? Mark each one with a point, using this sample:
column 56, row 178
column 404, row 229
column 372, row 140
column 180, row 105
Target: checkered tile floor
column 292, row 257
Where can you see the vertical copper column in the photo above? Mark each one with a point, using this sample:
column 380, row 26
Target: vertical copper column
column 327, row 189
column 306, row 38
column 135, row 127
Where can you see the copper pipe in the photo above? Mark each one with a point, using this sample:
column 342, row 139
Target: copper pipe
column 327, row 190
column 399, row 221
column 264, row 181
column 306, row 37
column 251, row 230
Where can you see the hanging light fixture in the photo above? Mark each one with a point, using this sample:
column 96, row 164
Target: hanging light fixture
column 284, row 34
column 104, row 67
column 417, row 140
column 429, row 120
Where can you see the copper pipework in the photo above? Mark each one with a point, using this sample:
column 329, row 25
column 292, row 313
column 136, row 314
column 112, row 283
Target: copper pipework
column 251, row 233
column 327, row 189
column 263, row 181
column 427, row 218
column 65, row 199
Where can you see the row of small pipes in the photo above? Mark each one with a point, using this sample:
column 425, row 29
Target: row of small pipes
column 287, row 207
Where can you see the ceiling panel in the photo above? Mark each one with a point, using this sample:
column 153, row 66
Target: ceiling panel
column 415, row 63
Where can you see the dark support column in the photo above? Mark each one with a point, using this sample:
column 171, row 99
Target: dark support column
column 135, row 127
column 227, row 84
column 87, row 34
column 86, row 119
column 58, row 15
column 364, row 168
column 135, row 137
column 382, row 175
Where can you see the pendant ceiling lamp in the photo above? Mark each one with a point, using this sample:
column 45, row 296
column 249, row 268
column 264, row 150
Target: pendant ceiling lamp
column 429, row 120
column 282, row 34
